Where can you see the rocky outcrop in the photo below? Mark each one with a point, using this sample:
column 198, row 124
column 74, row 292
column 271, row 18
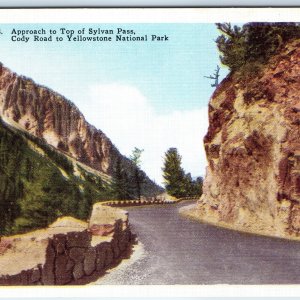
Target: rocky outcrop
column 68, row 252
column 48, row 115
column 253, row 150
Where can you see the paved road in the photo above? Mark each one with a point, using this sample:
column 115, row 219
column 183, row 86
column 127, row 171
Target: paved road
column 181, row 251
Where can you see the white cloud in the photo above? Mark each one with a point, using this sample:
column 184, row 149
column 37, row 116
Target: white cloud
column 126, row 116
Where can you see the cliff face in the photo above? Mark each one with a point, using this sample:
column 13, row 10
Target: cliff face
column 253, row 151
column 48, row 115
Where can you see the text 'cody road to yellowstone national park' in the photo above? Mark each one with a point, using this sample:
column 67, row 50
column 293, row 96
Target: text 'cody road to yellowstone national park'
column 84, row 35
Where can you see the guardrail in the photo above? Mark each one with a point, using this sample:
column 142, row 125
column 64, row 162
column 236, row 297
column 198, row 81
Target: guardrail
column 123, row 203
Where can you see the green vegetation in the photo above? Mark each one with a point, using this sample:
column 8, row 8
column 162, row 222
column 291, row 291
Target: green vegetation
column 214, row 77
column 125, row 185
column 135, row 156
column 177, row 183
column 139, row 176
column 121, row 184
column 53, row 154
column 246, row 49
column 36, row 189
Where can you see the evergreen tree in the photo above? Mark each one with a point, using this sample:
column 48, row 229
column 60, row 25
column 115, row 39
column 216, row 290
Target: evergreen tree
column 135, row 157
column 173, row 174
column 121, row 186
column 215, row 77
column 231, row 44
column 253, row 43
column 188, row 185
column 197, row 187
column 138, row 177
column 33, row 189
column 177, row 183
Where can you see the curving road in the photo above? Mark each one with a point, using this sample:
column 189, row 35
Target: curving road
column 181, row 251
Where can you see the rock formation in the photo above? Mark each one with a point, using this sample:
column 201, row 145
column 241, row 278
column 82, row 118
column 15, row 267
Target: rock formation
column 253, row 150
column 48, row 115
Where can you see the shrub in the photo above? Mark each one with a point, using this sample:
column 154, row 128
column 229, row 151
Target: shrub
column 247, row 48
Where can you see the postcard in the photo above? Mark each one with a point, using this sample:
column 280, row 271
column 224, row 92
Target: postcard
column 156, row 147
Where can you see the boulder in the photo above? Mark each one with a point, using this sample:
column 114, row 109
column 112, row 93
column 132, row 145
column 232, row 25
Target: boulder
column 78, row 271
column 63, row 269
column 89, row 263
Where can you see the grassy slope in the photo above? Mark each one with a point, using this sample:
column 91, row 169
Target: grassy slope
column 37, row 188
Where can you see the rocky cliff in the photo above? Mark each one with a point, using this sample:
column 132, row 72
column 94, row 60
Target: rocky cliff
column 48, row 115
column 253, row 150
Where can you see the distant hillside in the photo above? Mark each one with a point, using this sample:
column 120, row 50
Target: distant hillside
column 52, row 162
column 49, row 116
column 38, row 184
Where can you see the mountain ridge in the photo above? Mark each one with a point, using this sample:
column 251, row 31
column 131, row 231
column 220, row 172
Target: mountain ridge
column 48, row 115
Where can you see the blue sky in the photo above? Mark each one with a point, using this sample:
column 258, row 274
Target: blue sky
column 136, row 92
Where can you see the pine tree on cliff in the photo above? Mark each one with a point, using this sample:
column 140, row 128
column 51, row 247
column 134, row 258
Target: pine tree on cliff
column 248, row 47
column 173, row 174
column 231, row 44
column 215, row 77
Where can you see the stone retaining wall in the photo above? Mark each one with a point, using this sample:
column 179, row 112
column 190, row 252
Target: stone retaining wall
column 68, row 252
